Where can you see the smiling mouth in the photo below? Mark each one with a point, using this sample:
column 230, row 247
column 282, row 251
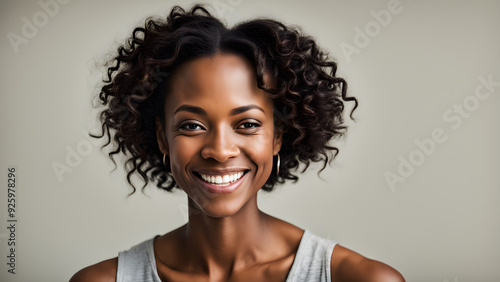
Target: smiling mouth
column 221, row 180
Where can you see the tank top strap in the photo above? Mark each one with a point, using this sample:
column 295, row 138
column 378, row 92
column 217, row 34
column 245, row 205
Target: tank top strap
column 313, row 259
column 138, row 264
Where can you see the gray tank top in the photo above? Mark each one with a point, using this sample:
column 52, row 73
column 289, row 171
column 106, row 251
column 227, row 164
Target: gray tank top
column 311, row 263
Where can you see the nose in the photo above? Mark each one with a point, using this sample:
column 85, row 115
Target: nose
column 220, row 145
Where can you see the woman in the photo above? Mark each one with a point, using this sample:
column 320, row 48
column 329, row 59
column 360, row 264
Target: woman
column 222, row 113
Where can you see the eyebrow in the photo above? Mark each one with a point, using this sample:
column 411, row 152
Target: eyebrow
column 191, row 109
column 200, row 111
column 243, row 109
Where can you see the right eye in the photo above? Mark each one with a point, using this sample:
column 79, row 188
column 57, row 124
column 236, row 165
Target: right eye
column 191, row 126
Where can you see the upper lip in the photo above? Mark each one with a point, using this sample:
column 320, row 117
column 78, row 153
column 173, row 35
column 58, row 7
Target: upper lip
column 220, row 171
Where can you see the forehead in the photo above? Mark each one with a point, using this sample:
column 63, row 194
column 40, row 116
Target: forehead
column 213, row 72
column 222, row 79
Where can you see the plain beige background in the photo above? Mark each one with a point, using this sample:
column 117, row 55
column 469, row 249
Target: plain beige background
column 412, row 74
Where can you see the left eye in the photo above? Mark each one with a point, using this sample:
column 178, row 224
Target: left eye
column 248, row 125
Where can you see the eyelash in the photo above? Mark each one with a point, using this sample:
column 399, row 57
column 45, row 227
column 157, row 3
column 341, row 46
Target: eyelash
column 254, row 125
column 187, row 125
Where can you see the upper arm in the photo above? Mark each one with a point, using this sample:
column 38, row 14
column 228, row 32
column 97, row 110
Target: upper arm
column 347, row 265
column 104, row 271
column 380, row 272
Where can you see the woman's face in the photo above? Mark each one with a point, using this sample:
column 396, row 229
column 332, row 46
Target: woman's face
column 219, row 133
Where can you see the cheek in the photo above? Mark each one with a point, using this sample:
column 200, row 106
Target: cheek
column 260, row 152
column 182, row 151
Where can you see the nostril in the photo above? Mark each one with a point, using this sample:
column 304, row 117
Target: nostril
column 220, row 152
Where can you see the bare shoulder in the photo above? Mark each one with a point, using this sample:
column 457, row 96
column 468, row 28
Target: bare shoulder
column 347, row 265
column 104, row 271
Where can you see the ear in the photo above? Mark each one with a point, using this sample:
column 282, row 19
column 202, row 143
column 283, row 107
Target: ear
column 277, row 143
column 160, row 137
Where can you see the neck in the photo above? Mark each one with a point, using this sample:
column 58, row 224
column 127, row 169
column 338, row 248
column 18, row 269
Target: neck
column 225, row 244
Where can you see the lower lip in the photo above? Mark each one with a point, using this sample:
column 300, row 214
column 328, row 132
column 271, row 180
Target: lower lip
column 218, row 189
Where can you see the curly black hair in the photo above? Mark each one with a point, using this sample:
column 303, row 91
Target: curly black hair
column 308, row 98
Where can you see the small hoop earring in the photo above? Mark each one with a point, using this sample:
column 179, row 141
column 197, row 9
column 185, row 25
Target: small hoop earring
column 164, row 155
column 278, row 165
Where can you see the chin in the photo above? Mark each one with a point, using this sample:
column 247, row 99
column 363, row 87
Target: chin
column 219, row 208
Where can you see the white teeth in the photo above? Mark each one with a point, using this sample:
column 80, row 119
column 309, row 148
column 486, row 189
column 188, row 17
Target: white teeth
column 222, row 179
column 218, row 179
